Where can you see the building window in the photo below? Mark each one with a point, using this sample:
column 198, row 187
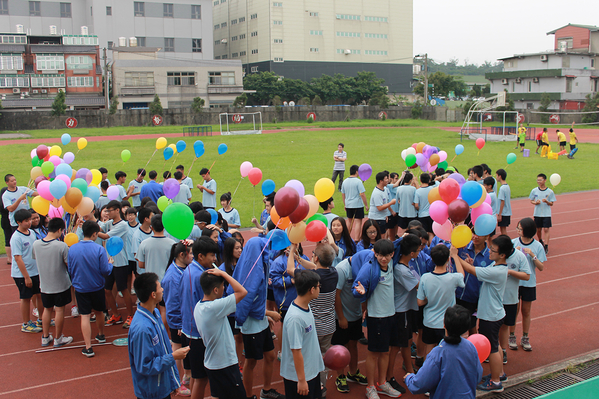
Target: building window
column 375, row 52
column 344, row 51
column 80, row 81
column 255, row 51
column 254, row 69
column 141, row 41
column 241, row 19
column 233, row 22
column 34, row 9
column 275, row 4
column 169, row 44
column 221, row 78
column 234, row 55
column 242, row 53
column 569, row 41
column 569, row 85
column 348, row 34
column 139, row 9
column 108, row 10
column 375, row 36
column 277, row 22
column 216, row 27
column 216, row 2
column 314, row 49
column 313, row 14
column 196, row 45
column 223, row 1
column 242, row 36
column 254, row 34
column 223, row 25
column 349, row 17
column 10, row 39
column 11, row 62
column 3, row 7
column 592, row 63
column 65, row 10
column 49, row 62
column 80, row 62
column 375, row 19
column 253, row 16
column 180, row 78
column 110, row 44
column 14, row 81
column 316, row 32
column 167, row 10
column 278, row 59
column 530, row 86
column 216, row 42
column 233, row 38
column 47, row 81
column 217, row 57
column 225, row 57
column 278, row 41
column 196, row 12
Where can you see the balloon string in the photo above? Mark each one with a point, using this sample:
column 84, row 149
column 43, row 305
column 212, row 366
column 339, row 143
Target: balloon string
column 237, row 188
column 254, row 206
column 148, row 162
column 211, row 166
column 260, row 255
column 192, row 162
column 454, row 157
column 174, row 160
column 163, row 164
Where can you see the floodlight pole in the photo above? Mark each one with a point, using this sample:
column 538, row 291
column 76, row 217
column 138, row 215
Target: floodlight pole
column 425, row 76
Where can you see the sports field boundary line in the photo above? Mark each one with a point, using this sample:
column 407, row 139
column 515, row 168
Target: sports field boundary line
column 572, row 253
column 567, row 278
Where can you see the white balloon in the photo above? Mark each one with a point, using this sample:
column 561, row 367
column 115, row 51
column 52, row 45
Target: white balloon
column 555, row 179
column 404, row 155
column 410, row 150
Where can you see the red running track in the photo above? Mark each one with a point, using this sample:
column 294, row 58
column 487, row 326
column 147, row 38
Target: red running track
column 565, row 321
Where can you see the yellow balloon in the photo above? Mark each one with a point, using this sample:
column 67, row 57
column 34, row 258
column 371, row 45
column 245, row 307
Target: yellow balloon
column 71, row 239
column 481, row 200
column 160, row 143
column 67, row 208
column 314, row 204
column 297, row 232
column 36, row 172
column 324, row 189
column 40, row 205
column 55, row 150
column 174, row 147
column 461, row 236
column 81, row 143
column 96, row 177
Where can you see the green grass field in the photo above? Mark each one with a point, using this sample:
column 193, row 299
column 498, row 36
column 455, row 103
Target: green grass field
column 307, row 155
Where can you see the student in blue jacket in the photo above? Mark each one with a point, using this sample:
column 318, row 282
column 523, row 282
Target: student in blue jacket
column 152, row 360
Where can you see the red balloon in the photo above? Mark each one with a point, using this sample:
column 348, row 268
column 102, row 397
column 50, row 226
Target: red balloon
column 316, row 231
column 337, row 357
column 41, row 151
column 39, row 179
column 482, row 345
column 255, row 175
column 449, row 190
column 458, row 210
column 300, row 213
column 286, row 200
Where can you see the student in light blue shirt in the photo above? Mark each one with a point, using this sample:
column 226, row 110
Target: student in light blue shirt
column 488, row 186
column 504, row 205
column 542, row 198
column 120, row 177
column 422, row 205
column 184, row 194
column 208, row 189
column 405, row 197
column 135, row 187
column 327, row 207
column 15, row 198
column 380, row 202
column 230, row 214
column 354, row 201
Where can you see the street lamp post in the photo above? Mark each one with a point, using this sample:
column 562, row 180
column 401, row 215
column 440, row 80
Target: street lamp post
column 425, row 56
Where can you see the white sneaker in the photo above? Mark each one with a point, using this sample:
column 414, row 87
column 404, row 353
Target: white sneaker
column 133, row 293
column 36, row 313
column 62, row 341
column 46, row 341
column 371, row 393
column 387, row 389
column 74, row 311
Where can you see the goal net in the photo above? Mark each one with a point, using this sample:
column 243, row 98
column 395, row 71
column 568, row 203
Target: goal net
column 240, row 123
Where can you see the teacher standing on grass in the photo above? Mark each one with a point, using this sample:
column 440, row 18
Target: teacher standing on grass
column 339, row 169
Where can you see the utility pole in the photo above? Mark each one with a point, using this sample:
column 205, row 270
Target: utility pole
column 425, row 78
column 106, row 105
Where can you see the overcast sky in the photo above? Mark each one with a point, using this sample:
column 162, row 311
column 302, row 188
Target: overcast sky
column 483, row 30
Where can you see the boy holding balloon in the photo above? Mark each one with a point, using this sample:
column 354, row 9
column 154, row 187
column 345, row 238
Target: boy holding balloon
column 208, row 189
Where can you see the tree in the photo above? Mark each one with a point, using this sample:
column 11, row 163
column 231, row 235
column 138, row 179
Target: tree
column 266, row 85
column 545, row 102
column 476, row 91
column 380, row 99
column 316, row 100
column 156, row 106
column 304, row 101
column 198, row 104
column 114, row 104
column 591, row 104
column 416, row 110
column 443, row 84
column 241, row 100
column 59, row 106
column 486, row 89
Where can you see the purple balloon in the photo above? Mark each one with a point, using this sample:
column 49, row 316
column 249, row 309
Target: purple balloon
column 84, row 174
column 458, row 177
column 421, row 160
column 68, row 157
column 112, row 192
column 364, row 171
column 297, row 185
column 171, row 188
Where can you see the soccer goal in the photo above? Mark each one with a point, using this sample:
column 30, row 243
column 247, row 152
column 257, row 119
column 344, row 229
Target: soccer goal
column 241, row 123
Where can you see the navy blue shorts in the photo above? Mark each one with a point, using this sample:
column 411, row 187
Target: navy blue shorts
column 543, row 222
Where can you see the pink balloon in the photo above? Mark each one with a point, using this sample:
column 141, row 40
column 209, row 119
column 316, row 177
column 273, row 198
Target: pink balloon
column 55, row 160
column 484, row 208
column 43, row 189
column 297, row 185
column 112, row 193
column 442, row 156
column 443, row 231
column 65, row 179
column 431, row 168
column 245, row 168
column 438, row 211
column 488, row 199
column 55, row 212
column 33, row 153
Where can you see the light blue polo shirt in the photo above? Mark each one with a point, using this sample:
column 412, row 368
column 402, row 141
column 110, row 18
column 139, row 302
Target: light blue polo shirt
column 232, row 217
column 215, row 330
column 439, row 290
column 136, row 200
column 494, row 203
column 352, row 187
column 9, row 198
column 379, row 197
column 120, row 229
column 405, row 196
column 380, row 303
column 393, row 194
column 352, row 308
column 517, row 262
column 538, row 250
column 22, row 245
column 505, row 195
column 490, row 300
column 209, row 200
column 421, row 198
column 404, row 295
column 122, row 192
column 541, row 210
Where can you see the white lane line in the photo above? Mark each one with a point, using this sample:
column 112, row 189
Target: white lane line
column 567, row 278
column 572, row 253
column 10, row 303
column 564, row 311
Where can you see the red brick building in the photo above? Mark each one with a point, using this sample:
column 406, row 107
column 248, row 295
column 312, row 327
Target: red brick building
column 576, row 38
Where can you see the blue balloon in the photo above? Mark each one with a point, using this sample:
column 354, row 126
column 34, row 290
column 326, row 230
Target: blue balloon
column 198, row 148
column 168, row 153
column 114, row 245
column 181, row 146
column 65, row 139
column 268, row 187
column 222, row 148
column 459, row 149
column 58, row 188
column 64, row 169
column 471, row 192
column 213, row 216
column 485, row 224
column 93, row 192
column 278, row 239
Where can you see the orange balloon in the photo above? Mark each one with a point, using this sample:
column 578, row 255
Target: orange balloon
column 73, row 197
column 67, row 207
column 71, row 239
column 434, row 159
column 86, row 206
column 434, row 195
column 56, row 203
column 74, row 175
column 281, row 223
column 420, row 147
column 297, row 232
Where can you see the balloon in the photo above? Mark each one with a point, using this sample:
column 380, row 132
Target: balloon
column 458, row 177
column 178, row 220
column 297, row 185
column 171, row 188
column 160, row 144
column 458, row 210
column 33, row 154
column 278, row 239
column 404, row 154
column 280, row 222
column 471, row 192
column 65, row 179
column 96, row 177
column 114, row 245
column 198, row 148
column 245, row 168
column 314, row 204
column 483, row 209
column 420, row 160
column 55, row 160
column 181, row 146
column 68, row 157
column 555, row 179
column 411, row 151
column 93, row 192
column 35, row 161
column 433, row 195
column 511, row 158
column 442, row 156
column 125, row 155
column 443, row 165
column 318, row 216
column 71, row 238
column 73, row 196
column 482, row 199
column 316, row 231
column 485, row 224
column 488, row 200
column 300, row 212
column 255, row 175
column 84, row 174
column 39, row 179
column 36, row 172
column 213, row 216
column 82, row 186
column 47, row 168
column 222, row 148
column 410, row 160
column 364, row 171
column 297, row 232
column 55, row 150
column 438, row 211
column 65, row 139
column 85, row 207
column 420, row 147
column 480, row 143
column 168, row 153
column 449, row 190
column 41, row 151
column 173, row 147
column 461, row 236
column 324, row 189
column 43, row 189
column 434, row 159
column 112, row 193
column 81, row 143
column 66, row 207
column 58, row 188
column 64, row 169
column 286, row 200
column 55, row 212
column 459, row 149
column 268, row 186
column 337, row 357
column 482, row 345
column 40, row 205
column 163, row 202
column 427, row 151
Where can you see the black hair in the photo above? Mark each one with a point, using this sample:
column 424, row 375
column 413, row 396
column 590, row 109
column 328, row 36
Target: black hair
column 410, row 243
column 271, row 198
column 226, row 197
column 55, row 224
column 143, row 214
column 114, row 204
column 486, row 168
column 439, row 171
column 153, row 174
column 156, row 223
column 380, row 177
column 222, row 222
column 457, row 322
column 425, row 178
column 341, row 144
column 204, row 171
column 353, row 169
column 544, row 129
column 89, row 228
column 393, row 175
column 104, row 185
column 103, row 170
column 529, row 227
column 270, row 225
column 204, row 246
column 414, row 223
column 21, row 215
column 196, row 206
column 477, row 170
column 166, row 174
column 120, row 174
column 365, row 239
column 228, row 258
column 141, row 172
column 384, row 247
column 325, row 204
column 7, row 177
column 418, row 231
column 350, row 244
column 209, row 282
column 407, row 178
column 206, row 232
column 305, row 280
column 325, row 254
column 571, row 130
column 489, row 181
column 543, row 175
column 131, row 210
column 178, row 175
column 501, row 173
column 144, row 285
column 237, row 235
column 176, row 249
column 440, row 254
column 144, row 202
column 125, row 203
column 504, row 245
column 203, row 216
column 179, row 167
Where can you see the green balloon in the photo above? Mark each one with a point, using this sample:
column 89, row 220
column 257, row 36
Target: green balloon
column 410, row 160
column 511, row 158
column 47, row 168
column 35, row 161
column 81, row 184
column 125, row 155
column 163, row 202
column 443, row 165
column 178, row 220
column 319, row 216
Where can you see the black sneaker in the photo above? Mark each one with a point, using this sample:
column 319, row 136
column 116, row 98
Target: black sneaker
column 358, row 378
column 101, row 338
column 363, row 341
column 341, row 384
column 87, row 352
column 395, row 385
column 504, row 356
column 546, row 249
column 271, row 394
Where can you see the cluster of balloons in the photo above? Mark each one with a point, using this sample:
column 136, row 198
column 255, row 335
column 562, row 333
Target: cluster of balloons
column 172, row 149
column 450, row 205
column 426, row 156
column 254, row 175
